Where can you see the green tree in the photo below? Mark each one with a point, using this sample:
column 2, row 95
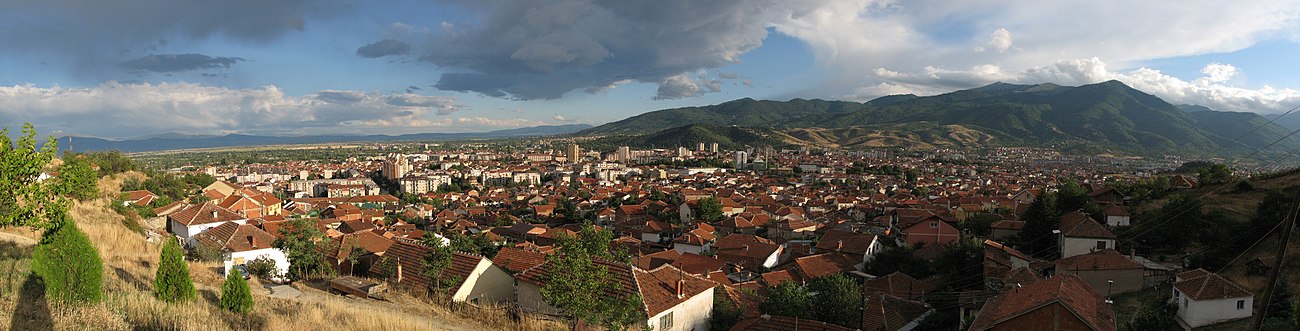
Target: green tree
column 235, row 295
column 787, row 299
column 1156, row 315
column 436, row 261
column 710, row 210
column 578, row 282
column 69, row 264
column 77, row 178
column 1214, row 174
column 1280, row 305
column 262, row 267
column 899, row 259
column 301, row 243
column 1041, row 219
column 725, row 313
column 172, row 282
column 25, row 201
column 838, row 300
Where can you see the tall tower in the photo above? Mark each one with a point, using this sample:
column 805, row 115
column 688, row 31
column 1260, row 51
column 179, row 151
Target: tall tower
column 741, row 158
column 624, row 154
column 395, row 167
column 574, row 153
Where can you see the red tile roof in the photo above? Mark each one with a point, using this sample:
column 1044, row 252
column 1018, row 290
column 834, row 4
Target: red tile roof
column 203, row 214
column 516, row 260
column 1210, row 286
column 897, row 284
column 1106, row 259
column 782, row 323
column 887, row 312
column 1078, row 224
column 410, row 255
column 235, row 237
column 1067, row 290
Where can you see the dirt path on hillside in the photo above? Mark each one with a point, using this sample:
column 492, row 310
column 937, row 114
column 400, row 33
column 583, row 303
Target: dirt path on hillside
column 21, row 240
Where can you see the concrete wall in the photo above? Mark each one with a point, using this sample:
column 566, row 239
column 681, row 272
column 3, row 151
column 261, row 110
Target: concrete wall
column 693, row 314
column 530, row 300
column 1079, row 246
column 275, row 254
column 487, row 283
column 1126, row 280
column 1206, row 312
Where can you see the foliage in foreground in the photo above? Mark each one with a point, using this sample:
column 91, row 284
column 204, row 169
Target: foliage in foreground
column 172, row 283
column 235, row 295
column 578, row 282
column 69, row 264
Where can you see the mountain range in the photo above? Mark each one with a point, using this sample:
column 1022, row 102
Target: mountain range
column 1102, row 116
column 172, row 141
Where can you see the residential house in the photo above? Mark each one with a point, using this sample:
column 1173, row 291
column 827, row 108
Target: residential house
column 242, row 243
column 1116, row 215
column 672, row 298
column 193, row 220
column 476, row 279
column 1206, row 298
column 1005, row 229
column 862, row 247
column 748, row 251
column 899, row 285
column 930, row 230
column 1080, row 234
column 1107, row 271
column 140, row 197
column 1063, row 302
column 370, row 245
column 883, row 311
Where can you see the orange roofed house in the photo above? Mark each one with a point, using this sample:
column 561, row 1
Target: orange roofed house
column 1063, row 302
column 672, row 298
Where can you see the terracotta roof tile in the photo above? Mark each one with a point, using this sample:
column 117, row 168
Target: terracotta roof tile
column 1210, row 286
column 1106, row 259
column 1068, row 290
column 1078, row 224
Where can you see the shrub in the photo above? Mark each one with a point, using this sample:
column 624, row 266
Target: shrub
column 206, row 253
column 172, row 283
column 261, row 267
column 235, row 295
column 69, row 264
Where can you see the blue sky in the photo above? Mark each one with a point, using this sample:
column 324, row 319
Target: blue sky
column 142, row 67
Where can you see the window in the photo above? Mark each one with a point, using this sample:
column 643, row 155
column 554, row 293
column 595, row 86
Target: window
column 934, row 224
column 1184, row 303
column 1101, row 244
column 666, row 322
column 1241, row 304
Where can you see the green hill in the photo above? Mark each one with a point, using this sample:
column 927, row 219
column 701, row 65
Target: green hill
column 689, row 136
column 1108, row 115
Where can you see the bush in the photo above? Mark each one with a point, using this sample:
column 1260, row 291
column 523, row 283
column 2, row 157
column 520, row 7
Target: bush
column 206, row 253
column 235, row 295
column 69, row 264
column 172, row 283
column 261, row 267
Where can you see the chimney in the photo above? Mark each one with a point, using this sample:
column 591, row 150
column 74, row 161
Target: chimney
column 839, row 244
column 251, row 242
column 214, row 214
column 680, row 283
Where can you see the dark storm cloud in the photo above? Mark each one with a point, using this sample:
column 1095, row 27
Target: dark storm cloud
column 383, row 48
column 93, row 37
column 541, row 49
column 340, row 97
column 179, row 62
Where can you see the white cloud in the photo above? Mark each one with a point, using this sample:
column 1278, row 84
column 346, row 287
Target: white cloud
column 1212, row 90
column 1000, row 40
column 123, row 110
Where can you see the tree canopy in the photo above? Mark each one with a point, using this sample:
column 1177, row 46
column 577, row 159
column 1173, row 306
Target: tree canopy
column 24, row 199
column 578, row 282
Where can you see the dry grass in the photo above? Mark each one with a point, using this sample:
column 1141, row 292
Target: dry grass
column 129, row 266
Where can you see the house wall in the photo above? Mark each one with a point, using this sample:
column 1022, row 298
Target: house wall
column 275, row 254
column 487, row 283
column 1126, row 280
column 1117, row 220
column 1000, row 234
column 688, row 248
column 772, row 259
column 922, row 232
column 529, row 299
column 692, row 314
column 1206, row 312
column 1079, row 246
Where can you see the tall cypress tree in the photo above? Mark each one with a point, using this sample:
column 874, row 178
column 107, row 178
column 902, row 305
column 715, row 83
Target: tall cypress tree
column 235, row 295
column 172, row 283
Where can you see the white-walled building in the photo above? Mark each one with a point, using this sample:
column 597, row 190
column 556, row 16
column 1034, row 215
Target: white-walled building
column 672, row 299
column 193, row 220
column 243, row 243
column 1080, row 234
column 1206, row 298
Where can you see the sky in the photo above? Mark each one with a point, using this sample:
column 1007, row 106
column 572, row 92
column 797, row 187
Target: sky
column 135, row 68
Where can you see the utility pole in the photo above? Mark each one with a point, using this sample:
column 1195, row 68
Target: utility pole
column 1277, row 267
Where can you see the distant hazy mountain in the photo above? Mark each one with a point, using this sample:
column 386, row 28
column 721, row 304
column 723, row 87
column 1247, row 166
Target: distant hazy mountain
column 1105, row 115
column 171, row 141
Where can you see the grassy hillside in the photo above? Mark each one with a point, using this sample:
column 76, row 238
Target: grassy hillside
column 130, row 262
column 689, row 136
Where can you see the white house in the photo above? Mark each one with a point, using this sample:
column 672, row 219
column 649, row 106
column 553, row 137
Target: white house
column 479, row 281
column 672, row 299
column 243, row 243
column 196, row 219
column 1116, row 215
column 1080, row 234
column 1206, row 298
